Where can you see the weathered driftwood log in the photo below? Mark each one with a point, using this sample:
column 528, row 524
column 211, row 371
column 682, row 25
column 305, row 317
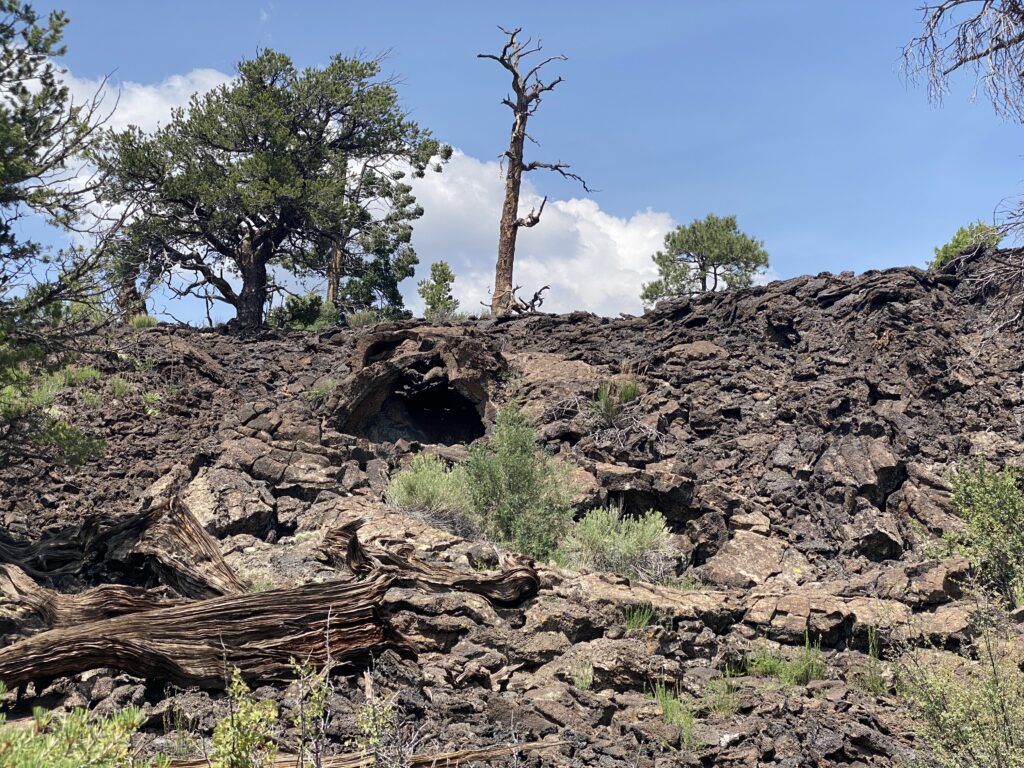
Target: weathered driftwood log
column 436, row 760
column 162, row 543
column 27, row 607
column 165, row 538
column 194, row 643
column 342, row 549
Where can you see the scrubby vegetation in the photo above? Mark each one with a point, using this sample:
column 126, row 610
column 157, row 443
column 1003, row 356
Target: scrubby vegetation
column 991, row 504
column 508, row 489
column 74, row 740
column 971, row 709
column 607, row 540
column 807, row 665
column 612, row 397
column 309, row 312
column 675, row 710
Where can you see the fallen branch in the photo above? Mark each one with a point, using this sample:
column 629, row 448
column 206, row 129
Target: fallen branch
column 27, row 607
column 192, row 643
column 438, row 760
column 342, row 548
column 162, row 543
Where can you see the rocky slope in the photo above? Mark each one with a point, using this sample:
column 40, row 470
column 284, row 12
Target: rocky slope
column 797, row 436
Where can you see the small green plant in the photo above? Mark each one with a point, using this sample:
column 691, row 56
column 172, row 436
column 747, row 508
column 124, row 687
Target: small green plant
column 375, row 720
column 306, row 313
column 182, row 728
column 322, row 390
column 74, row 375
column 242, row 740
column 362, row 318
column 582, row 673
column 871, row 678
column 675, row 711
column 73, row 740
column 808, row 665
column 992, row 506
column 436, row 292
column 142, row 321
column 607, row 540
column 119, row 387
column 311, row 713
column 257, row 581
column 612, row 397
column 966, row 238
column 150, row 401
column 90, row 399
column 638, row 616
column 686, row 583
column 722, row 698
column 521, row 495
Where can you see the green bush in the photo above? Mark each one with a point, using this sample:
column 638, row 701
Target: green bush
column 304, row 313
column 612, row 397
column 635, row 547
column 966, row 238
column 322, row 390
column 971, row 711
column 73, row 740
column 427, row 485
column 362, row 318
column 510, row 490
column 675, row 711
column 242, row 739
column 639, row 616
column 992, row 506
column 142, row 321
column 521, row 495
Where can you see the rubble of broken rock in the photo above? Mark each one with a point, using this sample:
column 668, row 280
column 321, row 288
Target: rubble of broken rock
column 797, row 437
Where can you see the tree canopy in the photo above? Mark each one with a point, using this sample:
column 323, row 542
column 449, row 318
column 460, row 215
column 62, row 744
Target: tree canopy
column 43, row 136
column 296, row 169
column 966, row 238
column 436, row 292
column 708, row 254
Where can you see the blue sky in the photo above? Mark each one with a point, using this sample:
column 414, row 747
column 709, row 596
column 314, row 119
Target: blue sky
column 792, row 115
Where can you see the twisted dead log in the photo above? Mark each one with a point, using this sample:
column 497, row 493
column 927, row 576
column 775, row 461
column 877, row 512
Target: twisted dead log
column 162, row 543
column 194, row 643
column 27, row 607
column 437, row 760
column 342, row 549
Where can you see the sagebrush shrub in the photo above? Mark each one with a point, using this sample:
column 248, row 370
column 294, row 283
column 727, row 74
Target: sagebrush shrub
column 607, row 540
column 991, row 503
column 971, row 711
column 509, row 489
column 428, row 486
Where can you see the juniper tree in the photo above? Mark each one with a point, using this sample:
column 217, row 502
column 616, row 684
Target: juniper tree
column 705, row 255
column 296, row 169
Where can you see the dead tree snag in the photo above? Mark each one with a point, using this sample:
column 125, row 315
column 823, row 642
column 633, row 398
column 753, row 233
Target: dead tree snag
column 528, row 88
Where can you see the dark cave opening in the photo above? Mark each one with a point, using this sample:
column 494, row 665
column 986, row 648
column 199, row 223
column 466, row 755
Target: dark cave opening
column 430, row 411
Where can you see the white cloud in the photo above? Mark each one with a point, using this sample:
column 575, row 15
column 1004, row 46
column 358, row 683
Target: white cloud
column 591, row 259
column 146, row 106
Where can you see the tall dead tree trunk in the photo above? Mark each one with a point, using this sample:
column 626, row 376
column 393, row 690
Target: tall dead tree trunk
column 527, row 89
